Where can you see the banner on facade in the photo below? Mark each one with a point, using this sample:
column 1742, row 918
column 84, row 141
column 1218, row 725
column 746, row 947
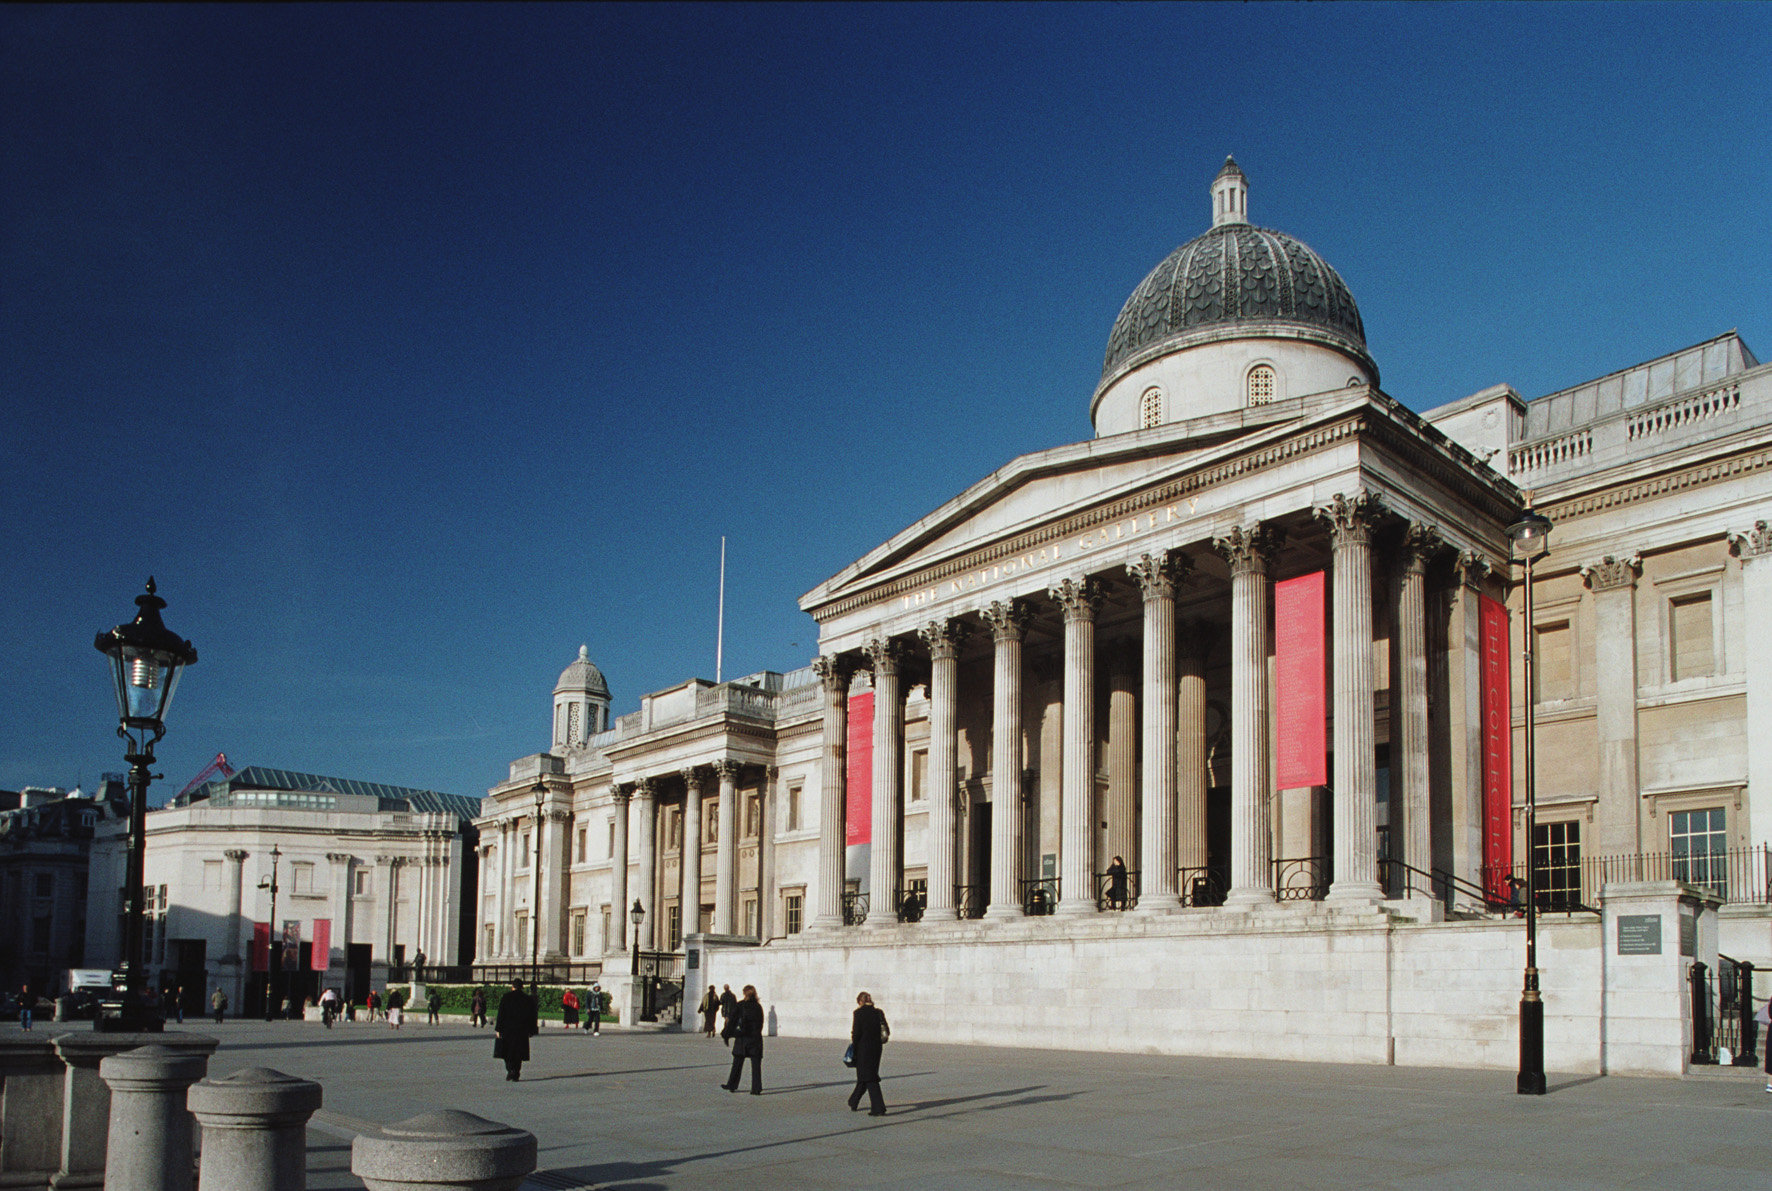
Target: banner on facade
column 1300, row 678
column 1498, row 760
column 291, row 944
column 859, row 773
column 322, row 953
column 261, row 946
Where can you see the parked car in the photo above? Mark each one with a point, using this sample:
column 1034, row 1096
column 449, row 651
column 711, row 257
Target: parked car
column 79, row 1005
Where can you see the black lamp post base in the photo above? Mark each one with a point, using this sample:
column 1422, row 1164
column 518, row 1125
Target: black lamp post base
column 1531, row 1078
column 129, row 1014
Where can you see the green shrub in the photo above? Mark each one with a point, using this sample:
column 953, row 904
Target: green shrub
column 459, row 998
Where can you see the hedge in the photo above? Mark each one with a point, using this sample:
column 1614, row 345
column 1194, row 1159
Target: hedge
column 459, row 998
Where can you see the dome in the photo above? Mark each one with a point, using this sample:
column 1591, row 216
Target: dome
column 582, row 676
column 1237, row 280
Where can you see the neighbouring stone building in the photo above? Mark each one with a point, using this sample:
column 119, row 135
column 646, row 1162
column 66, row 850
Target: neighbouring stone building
column 45, row 845
column 368, row 876
column 1260, row 638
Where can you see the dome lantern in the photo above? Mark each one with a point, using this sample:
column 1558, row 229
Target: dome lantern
column 1230, row 195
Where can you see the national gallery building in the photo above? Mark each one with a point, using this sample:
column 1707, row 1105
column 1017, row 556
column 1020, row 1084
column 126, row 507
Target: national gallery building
column 1207, row 735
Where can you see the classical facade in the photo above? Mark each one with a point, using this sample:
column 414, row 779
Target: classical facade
column 368, row 876
column 1259, row 642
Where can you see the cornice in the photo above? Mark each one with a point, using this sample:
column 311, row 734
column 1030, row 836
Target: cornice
column 1679, row 480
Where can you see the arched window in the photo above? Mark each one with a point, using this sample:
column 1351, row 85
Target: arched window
column 1150, row 409
column 1261, row 384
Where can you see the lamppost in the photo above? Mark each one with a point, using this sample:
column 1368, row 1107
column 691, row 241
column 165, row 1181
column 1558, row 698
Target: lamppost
column 146, row 661
column 1531, row 538
column 271, row 966
column 540, row 792
column 637, row 915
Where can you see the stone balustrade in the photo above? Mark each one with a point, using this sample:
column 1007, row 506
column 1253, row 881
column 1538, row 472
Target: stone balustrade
column 254, row 1130
column 446, row 1149
column 150, row 1141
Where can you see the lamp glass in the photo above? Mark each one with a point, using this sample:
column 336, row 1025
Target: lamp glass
column 638, row 914
column 1530, row 535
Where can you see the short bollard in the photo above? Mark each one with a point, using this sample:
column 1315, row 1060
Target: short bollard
column 149, row 1145
column 254, row 1130
column 444, row 1151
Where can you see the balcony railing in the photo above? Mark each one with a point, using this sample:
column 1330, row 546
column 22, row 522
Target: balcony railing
column 1202, row 886
column 970, row 901
column 1039, row 896
column 1739, row 876
column 855, row 909
column 1116, row 891
column 1302, row 878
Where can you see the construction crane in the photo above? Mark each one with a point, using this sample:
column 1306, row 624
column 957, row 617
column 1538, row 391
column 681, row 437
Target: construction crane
column 219, row 765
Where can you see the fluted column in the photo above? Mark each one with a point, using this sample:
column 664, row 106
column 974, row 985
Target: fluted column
column 1420, row 544
column 726, row 857
column 1249, row 551
column 834, row 674
column 690, row 897
column 340, row 863
column 1121, row 811
column 944, row 638
column 548, row 828
column 618, row 872
column 1008, row 620
column 508, row 942
column 395, row 864
column 886, row 657
column 1191, row 781
column 236, row 859
column 1350, row 521
column 646, row 809
column 766, row 854
column 1081, row 599
column 1157, row 576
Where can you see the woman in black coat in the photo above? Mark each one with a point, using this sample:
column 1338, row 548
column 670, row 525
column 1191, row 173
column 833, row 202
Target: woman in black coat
column 747, row 1041
column 868, row 1035
column 512, row 1029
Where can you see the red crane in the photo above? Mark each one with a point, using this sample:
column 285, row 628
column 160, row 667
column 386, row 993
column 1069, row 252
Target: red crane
column 219, row 765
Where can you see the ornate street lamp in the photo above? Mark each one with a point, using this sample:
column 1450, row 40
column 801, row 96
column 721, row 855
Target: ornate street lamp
column 272, row 966
column 1531, row 539
column 146, row 661
column 540, row 792
column 637, row 915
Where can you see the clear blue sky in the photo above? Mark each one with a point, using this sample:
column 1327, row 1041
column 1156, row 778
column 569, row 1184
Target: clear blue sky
column 409, row 347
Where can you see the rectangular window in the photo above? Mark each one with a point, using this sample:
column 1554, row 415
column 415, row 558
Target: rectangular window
column 919, row 775
column 486, row 947
column 1556, row 864
column 523, row 852
column 795, row 902
column 303, row 875
column 1553, row 671
column 674, row 923
column 604, row 925
column 750, row 916
column 578, row 932
column 1699, row 842
column 609, row 852
column 793, row 810
column 522, row 932
column 581, row 845
column 360, row 881
column 212, row 876
column 753, row 809
column 1690, row 648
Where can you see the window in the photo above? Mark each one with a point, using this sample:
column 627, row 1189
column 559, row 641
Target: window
column 674, row 926
column 581, row 845
column 1553, row 671
column 1690, row 650
column 603, row 924
column 303, row 877
column 610, row 850
column 578, row 932
column 794, row 905
column 571, row 724
column 1150, row 409
column 919, row 775
column 1261, row 384
column 45, row 884
column 793, row 809
column 753, row 811
column 1700, row 845
column 212, row 875
column 750, row 916
column 522, row 932
column 361, row 883
column 1556, row 863
column 486, row 948
column 523, row 852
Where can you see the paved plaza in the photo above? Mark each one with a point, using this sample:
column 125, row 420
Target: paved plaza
column 641, row 1112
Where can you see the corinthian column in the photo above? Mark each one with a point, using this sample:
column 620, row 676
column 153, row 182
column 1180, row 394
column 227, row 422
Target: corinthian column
column 1249, row 551
column 1190, row 750
column 726, row 856
column 341, row 903
column 508, row 942
column 1122, row 757
column 690, row 898
column 1157, row 577
column 646, row 808
column 1356, row 776
column 1420, row 544
column 944, row 638
column 618, row 872
column 1754, row 548
column 1080, row 599
column 1008, row 620
column 1614, row 584
column 883, row 858
column 834, row 674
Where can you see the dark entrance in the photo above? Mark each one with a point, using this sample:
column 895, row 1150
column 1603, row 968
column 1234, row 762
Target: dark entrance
column 976, row 894
column 356, row 972
column 1208, row 888
column 192, row 954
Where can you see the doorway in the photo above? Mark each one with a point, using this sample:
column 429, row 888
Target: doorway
column 977, row 894
column 356, row 972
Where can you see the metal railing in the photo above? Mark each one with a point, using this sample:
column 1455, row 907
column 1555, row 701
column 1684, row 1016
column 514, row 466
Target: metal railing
column 910, row 904
column 502, row 973
column 1302, row 878
column 1202, row 885
column 855, row 909
column 1116, row 892
column 970, row 901
column 1739, row 876
column 1039, row 896
column 1399, row 879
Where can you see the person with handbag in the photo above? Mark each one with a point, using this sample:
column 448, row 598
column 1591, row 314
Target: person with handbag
column 709, row 1007
column 867, row 1039
column 512, row 1028
column 747, row 1041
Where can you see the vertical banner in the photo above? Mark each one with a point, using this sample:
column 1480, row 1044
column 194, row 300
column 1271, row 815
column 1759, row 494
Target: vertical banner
column 859, row 778
column 322, row 955
column 1498, row 760
column 261, row 946
column 291, row 944
column 1300, row 679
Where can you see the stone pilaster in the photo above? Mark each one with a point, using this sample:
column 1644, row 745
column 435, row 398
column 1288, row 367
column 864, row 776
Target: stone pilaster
column 1122, row 755
column 1409, row 765
column 1249, row 552
column 234, row 876
column 1157, row 577
column 944, row 638
column 1465, row 686
column 508, row 942
column 766, row 854
column 340, row 863
column 619, row 797
column 1350, row 521
column 1081, row 599
column 1613, row 582
column 394, row 865
column 726, row 850
column 1191, row 779
column 646, row 811
column 690, row 898
column 1008, row 620
column 834, row 674
column 1754, row 549
column 886, row 657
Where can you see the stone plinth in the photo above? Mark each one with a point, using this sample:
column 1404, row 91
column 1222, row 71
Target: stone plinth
column 254, row 1130
column 86, row 1099
column 1648, row 955
column 31, row 1079
column 149, row 1146
column 444, row 1150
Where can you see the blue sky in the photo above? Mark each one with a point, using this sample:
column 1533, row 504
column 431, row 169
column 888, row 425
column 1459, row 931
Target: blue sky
column 409, row 347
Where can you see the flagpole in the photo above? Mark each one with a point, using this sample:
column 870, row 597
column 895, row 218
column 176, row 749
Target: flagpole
column 720, row 629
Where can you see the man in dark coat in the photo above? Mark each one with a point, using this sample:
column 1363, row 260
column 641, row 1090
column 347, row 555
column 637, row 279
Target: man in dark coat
column 512, row 1029
column 868, row 1035
column 747, row 1041
column 728, row 1007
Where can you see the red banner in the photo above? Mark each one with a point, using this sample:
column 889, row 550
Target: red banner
column 1300, row 679
column 859, row 777
column 261, row 946
column 1498, row 760
column 322, row 952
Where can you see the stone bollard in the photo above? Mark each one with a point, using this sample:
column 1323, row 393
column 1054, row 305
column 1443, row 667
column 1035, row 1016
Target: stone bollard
column 31, row 1078
column 444, row 1151
column 149, row 1147
column 255, row 1134
column 86, row 1098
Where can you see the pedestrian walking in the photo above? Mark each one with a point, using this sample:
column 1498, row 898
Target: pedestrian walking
column 218, row 1003
column 867, row 1038
column 396, row 1013
column 1116, row 875
column 27, row 1001
column 747, row 1041
column 569, row 1009
column 710, row 1005
column 477, row 1010
column 512, row 1029
column 178, row 1002
column 728, row 1007
column 594, row 1007
column 374, row 1003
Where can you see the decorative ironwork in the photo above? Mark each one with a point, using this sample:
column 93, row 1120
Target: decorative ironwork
column 910, row 902
column 855, row 909
column 1113, row 892
column 1203, row 885
column 1302, row 878
column 1739, row 876
column 1039, row 896
column 970, row 901
column 548, row 973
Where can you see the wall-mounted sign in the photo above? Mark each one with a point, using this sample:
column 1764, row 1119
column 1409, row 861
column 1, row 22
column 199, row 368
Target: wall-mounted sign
column 1688, row 933
column 1639, row 934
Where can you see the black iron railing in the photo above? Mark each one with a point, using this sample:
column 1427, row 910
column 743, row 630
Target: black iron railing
column 502, row 973
column 1039, row 896
column 1739, row 876
column 855, row 909
column 1116, row 891
column 1302, row 878
column 1204, row 885
column 910, row 904
column 970, row 901
column 1399, row 879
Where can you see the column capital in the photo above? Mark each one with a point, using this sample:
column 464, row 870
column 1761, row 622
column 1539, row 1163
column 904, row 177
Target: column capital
column 1350, row 518
column 944, row 638
column 1008, row 619
column 1420, row 543
column 556, row 815
column 1472, row 568
column 1610, row 573
column 884, row 655
column 237, row 855
column 1755, row 543
column 1249, row 549
column 834, row 672
column 1159, row 574
column 335, row 857
column 726, row 769
column 645, row 789
column 1081, row 598
column 694, row 776
column 619, row 794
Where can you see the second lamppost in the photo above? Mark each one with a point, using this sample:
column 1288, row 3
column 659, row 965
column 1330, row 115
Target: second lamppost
column 637, row 915
column 540, row 792
column 273, row 963
column 1531, row 538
